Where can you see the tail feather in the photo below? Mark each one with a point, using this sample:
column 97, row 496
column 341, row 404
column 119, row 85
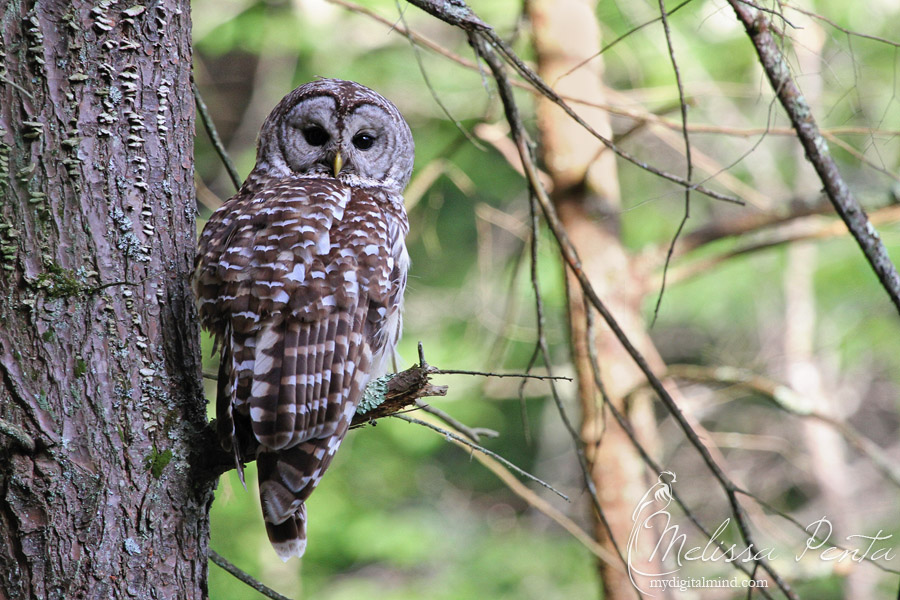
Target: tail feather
column 288, row 538
column 286, row 480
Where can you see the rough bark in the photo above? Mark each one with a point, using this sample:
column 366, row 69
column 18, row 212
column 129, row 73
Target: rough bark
column 100, row 394
column 586, row 194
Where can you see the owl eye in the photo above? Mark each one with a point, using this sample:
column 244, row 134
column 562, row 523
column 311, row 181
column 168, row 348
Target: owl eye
column 363, row 141
column 315, row 136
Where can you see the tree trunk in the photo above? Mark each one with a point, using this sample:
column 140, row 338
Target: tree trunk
column 100, row 398
column 586, row 194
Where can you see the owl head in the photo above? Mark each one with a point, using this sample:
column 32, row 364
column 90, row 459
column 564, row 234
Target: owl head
column 339, row 129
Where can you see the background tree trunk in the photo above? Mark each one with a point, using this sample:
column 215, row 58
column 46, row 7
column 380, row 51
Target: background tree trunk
column 100, row 395
column 586, row 193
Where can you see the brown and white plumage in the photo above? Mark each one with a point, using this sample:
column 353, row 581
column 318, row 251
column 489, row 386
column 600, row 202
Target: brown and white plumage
column 300, row 277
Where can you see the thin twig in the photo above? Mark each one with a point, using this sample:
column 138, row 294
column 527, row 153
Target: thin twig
column 464, row 18
column 545, row 508
column 214, row 137
column 687, row 154
column 483, row 450
column 486, row 374
column 805, row 529
column 866, row 36
column 533, row 78
column 622, row 37
column 759, row 30
column 640, row 115
column 799, row 230
column 859, row 155
column 412, row 42
column 791, row 402
column 244, row 577
column 473, row 433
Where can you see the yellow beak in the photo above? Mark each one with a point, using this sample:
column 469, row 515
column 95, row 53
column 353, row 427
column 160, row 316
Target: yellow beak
column 338, row 163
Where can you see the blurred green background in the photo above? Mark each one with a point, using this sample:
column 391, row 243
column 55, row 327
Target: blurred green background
column 402, row 514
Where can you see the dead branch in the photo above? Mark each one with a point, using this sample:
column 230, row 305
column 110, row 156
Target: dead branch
column 811, row 227
column 449, row 435
column 213, row 134
column 625, row 424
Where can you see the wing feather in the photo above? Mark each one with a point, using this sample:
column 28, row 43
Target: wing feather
column 265, row 416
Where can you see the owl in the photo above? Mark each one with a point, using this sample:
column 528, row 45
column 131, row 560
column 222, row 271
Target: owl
column 300, row 279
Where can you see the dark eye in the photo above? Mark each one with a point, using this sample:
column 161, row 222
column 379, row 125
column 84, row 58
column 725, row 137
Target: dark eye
column 315, row 136
column 363, row 141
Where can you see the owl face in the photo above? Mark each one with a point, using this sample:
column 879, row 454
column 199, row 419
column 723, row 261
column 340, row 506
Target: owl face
column 335, row 128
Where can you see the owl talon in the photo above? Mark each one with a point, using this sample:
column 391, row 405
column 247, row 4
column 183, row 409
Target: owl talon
column 239, row 466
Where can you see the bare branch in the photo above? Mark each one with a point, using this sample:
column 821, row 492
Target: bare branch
column 518, row 133
column 648, row 460
column 427, row 80
column 687, row 154
column 805, row 529
column 266, row 591
column 214, row 138
column 789, row 401
column 544, row 507
column 518, row 375
column 759, row 29
column 473, row 433
column 819, row 17
column 625, row 35
column 809, row 228
column 457, row 13
column 452, row 436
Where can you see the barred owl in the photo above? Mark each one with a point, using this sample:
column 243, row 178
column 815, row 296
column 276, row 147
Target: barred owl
column 300, row 278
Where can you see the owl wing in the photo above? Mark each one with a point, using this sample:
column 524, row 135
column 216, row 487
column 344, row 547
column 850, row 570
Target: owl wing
column 298, row 281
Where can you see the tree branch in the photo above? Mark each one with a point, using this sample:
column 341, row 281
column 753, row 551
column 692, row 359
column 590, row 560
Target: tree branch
column 214, row 137
column 458, row 14
column 222, row 562
column 759, row 29
column 460, row 440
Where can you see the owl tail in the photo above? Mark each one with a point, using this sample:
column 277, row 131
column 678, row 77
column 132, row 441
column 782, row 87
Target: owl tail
column 286, row 479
